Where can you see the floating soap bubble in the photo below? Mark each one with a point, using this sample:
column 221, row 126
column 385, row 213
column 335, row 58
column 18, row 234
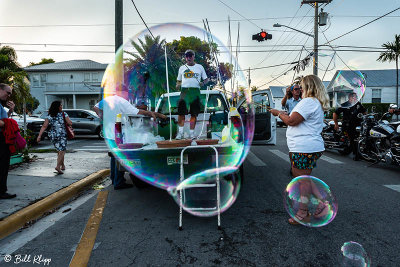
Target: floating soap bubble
column 348, row 88
column 199, row 192
column 310, row 201
column 139, row 76
column 354, row 255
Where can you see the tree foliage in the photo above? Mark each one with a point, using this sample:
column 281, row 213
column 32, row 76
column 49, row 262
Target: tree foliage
column 43, row 61
column 11, row 73
column 392, row 53
column 146, row 66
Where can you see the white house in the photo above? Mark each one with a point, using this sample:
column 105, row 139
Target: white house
column 278, row 92
column 75, row 82
column 380, row 85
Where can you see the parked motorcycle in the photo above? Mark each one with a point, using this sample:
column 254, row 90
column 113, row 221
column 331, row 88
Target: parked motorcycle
column 378, row 141
column 333, row 139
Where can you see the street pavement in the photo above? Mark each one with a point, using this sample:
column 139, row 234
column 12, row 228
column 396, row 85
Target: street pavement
column 139, row 226
column 38, row 179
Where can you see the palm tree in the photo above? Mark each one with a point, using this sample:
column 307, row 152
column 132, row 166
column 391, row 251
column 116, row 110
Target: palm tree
column 392, row 53
column 12, row 74
column 147, row 67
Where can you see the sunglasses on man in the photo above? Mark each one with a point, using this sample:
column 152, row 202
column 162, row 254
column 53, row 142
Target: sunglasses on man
column 189, row 55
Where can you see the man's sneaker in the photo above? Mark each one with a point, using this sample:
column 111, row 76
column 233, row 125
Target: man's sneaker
column 191, row 136
column 7, row 196
column 179, row 136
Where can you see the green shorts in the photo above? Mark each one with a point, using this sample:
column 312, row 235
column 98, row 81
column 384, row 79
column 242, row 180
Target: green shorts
column 189, row 100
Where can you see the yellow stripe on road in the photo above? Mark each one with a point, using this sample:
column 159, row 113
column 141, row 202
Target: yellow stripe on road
column 85, row 246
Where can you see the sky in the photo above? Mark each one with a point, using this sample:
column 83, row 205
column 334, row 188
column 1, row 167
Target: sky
column 67, row 30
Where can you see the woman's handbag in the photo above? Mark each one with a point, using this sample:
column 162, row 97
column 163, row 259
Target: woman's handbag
column 68, row 128
column 20, row 142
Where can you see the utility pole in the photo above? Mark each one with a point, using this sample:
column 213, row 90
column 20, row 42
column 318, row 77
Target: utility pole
column 118, row 24
column 119, row 73
column 316, row 23
column 315, row 65
column 249, row 79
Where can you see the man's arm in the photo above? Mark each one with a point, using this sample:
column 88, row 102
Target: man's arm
column 151, row 114
column 178, row 85
column 285, row 98
column 11, row 107
column 1, row 124
column 204, row 82
column 335, row 120
column 98, row 111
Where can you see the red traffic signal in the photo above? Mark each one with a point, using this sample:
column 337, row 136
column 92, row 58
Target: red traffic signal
column 262, row 36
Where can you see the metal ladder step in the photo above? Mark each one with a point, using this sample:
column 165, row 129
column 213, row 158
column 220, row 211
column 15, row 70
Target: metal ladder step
column 200, row 185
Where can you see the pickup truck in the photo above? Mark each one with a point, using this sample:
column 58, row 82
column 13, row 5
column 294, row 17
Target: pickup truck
column 161, row 166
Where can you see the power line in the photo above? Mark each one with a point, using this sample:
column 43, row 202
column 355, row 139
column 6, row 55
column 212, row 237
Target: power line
column 266, row 56
column 234, row 51
column 364, row 25
column 186, row 22
column 239, row 14
column 142, row 19
column 229, row 46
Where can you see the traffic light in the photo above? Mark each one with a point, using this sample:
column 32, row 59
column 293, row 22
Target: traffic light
column 262, row 36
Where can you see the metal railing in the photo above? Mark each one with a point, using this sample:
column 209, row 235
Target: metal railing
column 72, row 87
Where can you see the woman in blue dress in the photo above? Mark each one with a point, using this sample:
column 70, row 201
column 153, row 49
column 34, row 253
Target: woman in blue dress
column 57, row 132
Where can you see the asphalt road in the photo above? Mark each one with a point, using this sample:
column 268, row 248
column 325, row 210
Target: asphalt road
column 139, row 226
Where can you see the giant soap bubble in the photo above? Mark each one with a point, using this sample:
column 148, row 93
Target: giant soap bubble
column 354, row 255
column 348, row 88
column 310, row 201
column 147, row 147
column 198, row 194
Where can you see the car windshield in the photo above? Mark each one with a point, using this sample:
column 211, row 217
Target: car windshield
column 215, row 103
column 91, row 112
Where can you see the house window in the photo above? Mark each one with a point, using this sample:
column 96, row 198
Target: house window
column 92, row 103
column 376, row 95
column 43, row 79
column 35, row 80
column 87, row 77
column 95, row 77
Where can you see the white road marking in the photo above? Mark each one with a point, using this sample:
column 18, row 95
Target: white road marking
column 255, row 161
column 91, row 149
column 395, row 187
column 70, row 142
column 12, row 243
column 102, row 146
column 281, row 154
column 331, row 160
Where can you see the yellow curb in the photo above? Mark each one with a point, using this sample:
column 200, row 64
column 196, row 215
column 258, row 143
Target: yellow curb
column 15, row 221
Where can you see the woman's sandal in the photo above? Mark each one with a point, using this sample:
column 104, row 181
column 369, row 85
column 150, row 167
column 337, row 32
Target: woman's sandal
column 59, row 171
column 303, row 218
column 321, row 210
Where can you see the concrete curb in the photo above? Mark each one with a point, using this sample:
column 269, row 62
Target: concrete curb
column 15, row 221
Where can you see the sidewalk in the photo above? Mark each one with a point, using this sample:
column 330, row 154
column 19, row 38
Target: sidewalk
column 36, row 180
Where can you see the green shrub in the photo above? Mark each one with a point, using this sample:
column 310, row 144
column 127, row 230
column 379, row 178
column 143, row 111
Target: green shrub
column 380, row 108
column 29, row 136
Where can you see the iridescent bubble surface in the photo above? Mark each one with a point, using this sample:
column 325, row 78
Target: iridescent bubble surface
column 199, row 192
column 144, row 71
column 310, row 201
column 348, row 88
column 354, row 255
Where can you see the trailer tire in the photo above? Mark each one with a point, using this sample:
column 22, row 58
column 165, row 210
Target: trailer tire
column 139, row 183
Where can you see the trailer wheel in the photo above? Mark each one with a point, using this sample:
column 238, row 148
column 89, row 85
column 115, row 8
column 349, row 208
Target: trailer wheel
column 139, row 183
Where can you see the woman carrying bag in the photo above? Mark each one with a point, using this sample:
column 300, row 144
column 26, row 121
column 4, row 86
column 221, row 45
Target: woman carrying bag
column 59, row 121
